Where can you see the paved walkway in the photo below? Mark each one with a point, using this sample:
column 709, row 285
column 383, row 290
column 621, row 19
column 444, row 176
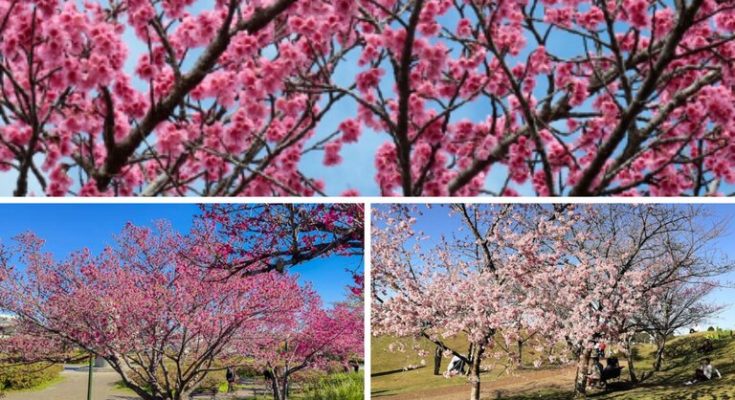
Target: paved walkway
column 74, row 387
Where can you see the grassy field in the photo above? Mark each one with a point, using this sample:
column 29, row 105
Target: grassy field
column 389, row 381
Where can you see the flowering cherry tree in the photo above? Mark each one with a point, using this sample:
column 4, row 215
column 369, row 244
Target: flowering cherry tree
column 216, row 115
column 315, row 338
column 574, row 97
column 472, row 286
column 552, row 97
column 624, row 259
column 573, row 275
column 162, row 322
column 681, row 306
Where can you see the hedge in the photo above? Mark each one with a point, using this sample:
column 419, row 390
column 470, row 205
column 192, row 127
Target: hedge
column 28, row 376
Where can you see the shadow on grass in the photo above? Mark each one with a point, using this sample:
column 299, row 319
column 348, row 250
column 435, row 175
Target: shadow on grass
column 380, row 393
column 613, row 389
column 535, row 396
column 394, row 371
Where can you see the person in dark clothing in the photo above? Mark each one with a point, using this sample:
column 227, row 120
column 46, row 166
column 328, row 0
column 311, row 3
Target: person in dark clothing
column 612, row 369
column 706, row 347
column 230, row 376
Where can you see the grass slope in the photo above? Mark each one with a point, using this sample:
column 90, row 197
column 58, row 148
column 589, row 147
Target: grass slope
column 682, row 357
column 389, row 377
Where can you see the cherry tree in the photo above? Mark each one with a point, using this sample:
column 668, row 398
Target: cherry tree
column 216, row 113
column 571, row 274
column 160, row 321
column 474, row 286
column 264, row 237
column 681, row 305
column 552, row 97
column 575, row 97
column 620, row 260
column 315, row 338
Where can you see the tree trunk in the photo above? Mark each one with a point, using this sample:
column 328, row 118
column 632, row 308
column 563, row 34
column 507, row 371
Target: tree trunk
column 474, row 372
column 279, row 387
column 438, row 360
column 630, row 357
column 470, row 358
column 520, row 353
column 580, row 384
column 284, row 389
column 660, row 346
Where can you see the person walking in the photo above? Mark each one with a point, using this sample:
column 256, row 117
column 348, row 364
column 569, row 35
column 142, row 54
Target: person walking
column 230, row 375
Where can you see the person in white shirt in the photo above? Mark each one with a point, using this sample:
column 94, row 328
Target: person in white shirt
column 704, row 373
column 709, row 369
column 455, row 367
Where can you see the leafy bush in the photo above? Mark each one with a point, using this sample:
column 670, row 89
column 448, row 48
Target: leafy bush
column 28, row 376
column 249, row 371
column 343, row 386
column 209, row 384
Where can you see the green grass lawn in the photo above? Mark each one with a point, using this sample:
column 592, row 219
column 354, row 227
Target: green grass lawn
column 389, row 377
column 682, row 358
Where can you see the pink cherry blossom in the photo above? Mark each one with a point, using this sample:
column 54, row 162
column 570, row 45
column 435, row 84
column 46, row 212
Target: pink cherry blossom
column 569, row 275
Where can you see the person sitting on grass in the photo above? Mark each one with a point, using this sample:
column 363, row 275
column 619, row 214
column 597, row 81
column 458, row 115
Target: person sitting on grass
column 704, row 372
column 455, row 367
column 612, row 369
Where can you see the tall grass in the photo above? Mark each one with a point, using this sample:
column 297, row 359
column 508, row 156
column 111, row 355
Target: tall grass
column 343, row 386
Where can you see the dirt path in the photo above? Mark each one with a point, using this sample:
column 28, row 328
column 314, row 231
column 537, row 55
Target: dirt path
column 499, row 388
column 74, row 387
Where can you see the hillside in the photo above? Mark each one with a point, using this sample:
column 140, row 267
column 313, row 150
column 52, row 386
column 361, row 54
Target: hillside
column 391, row 383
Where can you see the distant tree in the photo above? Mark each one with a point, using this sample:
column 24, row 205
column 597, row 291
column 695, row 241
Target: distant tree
column 314, row 338
column 680, row 305
column 640, row 250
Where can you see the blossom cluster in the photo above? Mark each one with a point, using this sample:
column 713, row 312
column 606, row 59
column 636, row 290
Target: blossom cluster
column 556, row 96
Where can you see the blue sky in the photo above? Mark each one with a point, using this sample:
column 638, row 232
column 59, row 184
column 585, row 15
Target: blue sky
column 68, row 227
column 435, row 222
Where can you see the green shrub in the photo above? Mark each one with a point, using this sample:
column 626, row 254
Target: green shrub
column 343, row 386
column 209, row 384
column 28, row 376
column 249, row 371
